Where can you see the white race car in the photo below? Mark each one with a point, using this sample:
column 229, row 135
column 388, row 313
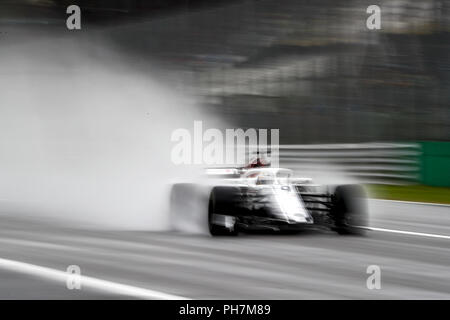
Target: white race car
column 264, row 198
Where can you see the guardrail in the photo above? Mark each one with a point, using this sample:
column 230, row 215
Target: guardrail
column 388, row 163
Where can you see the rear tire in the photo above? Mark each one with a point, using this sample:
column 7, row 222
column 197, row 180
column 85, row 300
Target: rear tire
column 349, row 210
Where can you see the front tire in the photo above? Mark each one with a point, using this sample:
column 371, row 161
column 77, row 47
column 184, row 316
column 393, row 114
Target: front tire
column 222, row 212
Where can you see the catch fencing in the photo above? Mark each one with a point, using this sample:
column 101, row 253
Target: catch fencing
column 387, row 163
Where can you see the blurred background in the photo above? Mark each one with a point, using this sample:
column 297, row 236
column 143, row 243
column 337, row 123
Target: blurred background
column 309, row 67
column 374, row 104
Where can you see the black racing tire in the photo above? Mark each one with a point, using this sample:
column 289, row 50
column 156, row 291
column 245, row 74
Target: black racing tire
column 349, row 210
column 222, row 201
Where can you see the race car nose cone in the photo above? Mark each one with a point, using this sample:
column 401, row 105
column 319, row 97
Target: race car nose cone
column 298, row 217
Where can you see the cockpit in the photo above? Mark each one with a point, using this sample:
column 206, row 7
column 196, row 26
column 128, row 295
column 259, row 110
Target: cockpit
column 269, row 176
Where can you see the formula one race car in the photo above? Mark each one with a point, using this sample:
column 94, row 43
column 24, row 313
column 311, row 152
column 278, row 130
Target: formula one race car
column 265, row 198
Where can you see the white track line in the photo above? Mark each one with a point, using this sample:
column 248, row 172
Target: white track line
column 413, row 202
column 86, row 282
column 430, row 235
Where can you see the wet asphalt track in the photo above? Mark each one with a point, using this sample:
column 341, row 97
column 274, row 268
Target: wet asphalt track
column 311, row 265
